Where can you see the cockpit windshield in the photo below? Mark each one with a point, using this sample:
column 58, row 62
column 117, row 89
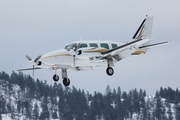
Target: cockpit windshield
column 71, row 46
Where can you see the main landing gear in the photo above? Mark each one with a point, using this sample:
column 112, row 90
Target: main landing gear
column 66, row 80
column 110, row 70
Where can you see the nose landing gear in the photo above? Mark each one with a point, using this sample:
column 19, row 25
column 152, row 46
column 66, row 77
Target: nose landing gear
column 55, row 78
column 110, row 70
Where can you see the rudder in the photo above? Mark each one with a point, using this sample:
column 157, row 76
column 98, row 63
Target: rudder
column 144, row 30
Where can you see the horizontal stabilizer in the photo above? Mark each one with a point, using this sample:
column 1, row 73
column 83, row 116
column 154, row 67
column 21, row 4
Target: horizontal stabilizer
column 156, row 44
column 36, row 68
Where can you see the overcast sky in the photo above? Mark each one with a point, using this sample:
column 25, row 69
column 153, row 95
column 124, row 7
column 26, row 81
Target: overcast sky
column 37, row 27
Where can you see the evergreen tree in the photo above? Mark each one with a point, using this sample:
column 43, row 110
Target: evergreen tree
column 118, row 101
column 4, row 76
column 0, row 110
column 45, row 111
column 97, row 106
column 164, row 113
column 54, row 115
column 36, row 111
column 158, row 109
column 177, row 97
column 144, row 114
column 169, row 112
column 19, row 105
column 28, row 108
column 108, row 101
column 135, row 100
column 177, row 110
column 125, row 105
column 2, row 105
column 162, row 94
column 148, row 115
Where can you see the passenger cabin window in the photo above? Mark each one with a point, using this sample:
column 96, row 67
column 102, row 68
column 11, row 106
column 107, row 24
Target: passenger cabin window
column 83, row 45
column 93, row 45
column 104, row 45
column 71, row 46
column 114, row 45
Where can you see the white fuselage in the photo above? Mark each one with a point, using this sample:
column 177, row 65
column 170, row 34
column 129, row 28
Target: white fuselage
column 90, row 54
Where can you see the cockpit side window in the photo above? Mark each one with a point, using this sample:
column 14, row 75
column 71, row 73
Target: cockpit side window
column 83, row 45
column 71, row 46
column 114, row 45
column 93, row 45
column 104, row 45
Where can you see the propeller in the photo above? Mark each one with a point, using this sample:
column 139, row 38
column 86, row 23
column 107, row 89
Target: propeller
column 77, row 52
column 28, row 58
column 36, row 61
column 77, row 47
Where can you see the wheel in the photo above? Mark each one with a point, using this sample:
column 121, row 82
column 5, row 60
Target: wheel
column 55, row 78
column 110, row 71
column 66, row 81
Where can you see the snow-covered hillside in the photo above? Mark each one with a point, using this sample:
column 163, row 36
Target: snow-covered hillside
column 24, row 98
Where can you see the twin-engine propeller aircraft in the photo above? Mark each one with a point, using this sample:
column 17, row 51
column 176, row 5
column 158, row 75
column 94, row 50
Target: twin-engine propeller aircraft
column 83, row 55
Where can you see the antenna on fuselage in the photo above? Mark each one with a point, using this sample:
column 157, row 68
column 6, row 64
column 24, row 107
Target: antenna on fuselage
column 81, row 38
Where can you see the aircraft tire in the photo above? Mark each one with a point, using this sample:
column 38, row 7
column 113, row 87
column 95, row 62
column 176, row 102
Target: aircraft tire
column 55, row 78
column 110, row 71
column 66, row 81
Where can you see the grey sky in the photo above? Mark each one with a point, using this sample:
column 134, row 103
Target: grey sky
column 37, row 27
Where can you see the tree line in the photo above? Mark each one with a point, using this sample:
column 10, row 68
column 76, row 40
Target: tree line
column 22, row 95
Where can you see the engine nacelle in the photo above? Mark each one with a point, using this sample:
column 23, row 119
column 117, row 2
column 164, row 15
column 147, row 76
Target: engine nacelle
column 79, row 52
column 35, row 63
column 39, row 63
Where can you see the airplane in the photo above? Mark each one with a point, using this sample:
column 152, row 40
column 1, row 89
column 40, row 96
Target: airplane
column 86, row 54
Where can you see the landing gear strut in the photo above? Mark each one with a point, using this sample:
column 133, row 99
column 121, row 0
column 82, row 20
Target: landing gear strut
column 109, row 69
column 66, row 80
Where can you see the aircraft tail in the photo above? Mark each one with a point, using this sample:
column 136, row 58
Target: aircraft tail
column 144, row 30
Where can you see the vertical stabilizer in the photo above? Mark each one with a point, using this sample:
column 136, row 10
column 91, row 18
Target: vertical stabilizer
column 144, row 30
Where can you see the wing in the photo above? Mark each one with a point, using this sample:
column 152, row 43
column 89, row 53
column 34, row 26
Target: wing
column 155, row 45
column 132, row 44
column 35, row 68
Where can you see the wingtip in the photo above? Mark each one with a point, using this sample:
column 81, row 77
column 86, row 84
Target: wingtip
column 170, row 41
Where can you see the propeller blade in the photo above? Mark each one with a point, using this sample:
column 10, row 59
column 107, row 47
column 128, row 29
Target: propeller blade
column 77, row 47
column 37, row 58
column 28, row 58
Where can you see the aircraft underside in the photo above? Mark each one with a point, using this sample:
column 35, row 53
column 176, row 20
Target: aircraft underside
column 66, row 80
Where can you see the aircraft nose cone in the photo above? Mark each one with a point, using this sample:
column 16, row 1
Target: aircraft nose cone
column 56, row 53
